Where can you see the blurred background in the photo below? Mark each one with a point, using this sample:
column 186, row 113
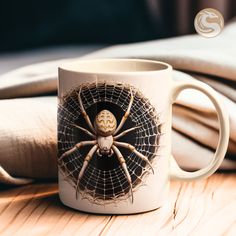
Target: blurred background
column 34, row 31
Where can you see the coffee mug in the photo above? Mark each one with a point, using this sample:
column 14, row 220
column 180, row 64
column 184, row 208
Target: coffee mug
column 114, row 134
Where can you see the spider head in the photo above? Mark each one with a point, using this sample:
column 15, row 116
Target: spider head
column 105, row 123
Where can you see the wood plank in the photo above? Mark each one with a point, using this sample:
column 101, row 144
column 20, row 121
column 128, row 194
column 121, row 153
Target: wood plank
column 205, row 207
column 198, row 208
column 36, row 210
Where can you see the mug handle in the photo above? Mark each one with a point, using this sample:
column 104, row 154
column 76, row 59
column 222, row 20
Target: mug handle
column 176, row 171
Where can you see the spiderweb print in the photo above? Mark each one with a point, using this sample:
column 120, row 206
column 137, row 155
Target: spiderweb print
column 104, row 179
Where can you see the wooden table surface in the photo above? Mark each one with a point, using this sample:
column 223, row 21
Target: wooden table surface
column 205, row 207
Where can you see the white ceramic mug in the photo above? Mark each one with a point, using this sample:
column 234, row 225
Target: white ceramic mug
column 114, row 134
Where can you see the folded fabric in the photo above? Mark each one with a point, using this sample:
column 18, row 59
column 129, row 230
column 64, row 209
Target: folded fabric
column 28, row 121
column 28, row 137
column 227, row 88
column 191, row 155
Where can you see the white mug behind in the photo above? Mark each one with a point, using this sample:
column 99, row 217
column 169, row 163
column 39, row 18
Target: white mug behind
column 114, row 134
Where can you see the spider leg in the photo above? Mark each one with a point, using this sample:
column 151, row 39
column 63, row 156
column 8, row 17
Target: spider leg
column 77, row 146
column 133, row 149
column 85, row 130
column 124, row 118
column 84, row 166
column 124, row 166
column 86, row 117
column 125, row 132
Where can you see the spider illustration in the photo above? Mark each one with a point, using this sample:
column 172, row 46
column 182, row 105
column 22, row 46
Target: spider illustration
column 105, row 133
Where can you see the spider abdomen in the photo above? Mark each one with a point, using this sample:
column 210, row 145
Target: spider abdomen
column 105, row 123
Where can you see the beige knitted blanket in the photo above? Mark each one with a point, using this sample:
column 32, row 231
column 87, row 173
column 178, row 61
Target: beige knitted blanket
column 28, row 105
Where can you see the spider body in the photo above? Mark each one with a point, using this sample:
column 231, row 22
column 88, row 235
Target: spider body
column 105, row 125
column 105, row 134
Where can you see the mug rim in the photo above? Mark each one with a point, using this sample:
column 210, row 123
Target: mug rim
column 73, row 66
